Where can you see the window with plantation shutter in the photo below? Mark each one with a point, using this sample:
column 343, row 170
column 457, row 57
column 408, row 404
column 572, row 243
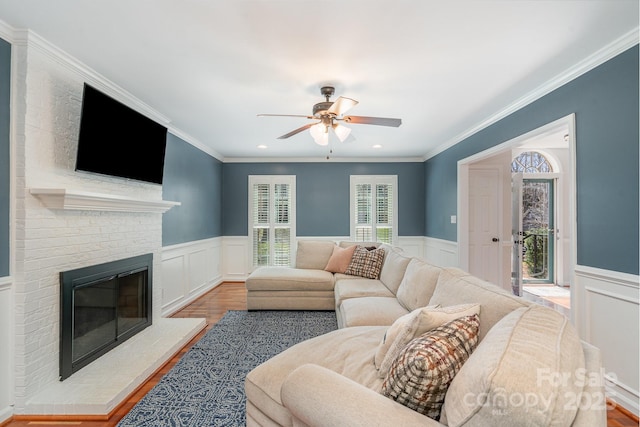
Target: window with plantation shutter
column 271, row 219
column 373, row 208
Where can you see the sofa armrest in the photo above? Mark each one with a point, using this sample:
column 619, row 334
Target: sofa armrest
column 319, row 397
column 595, row 413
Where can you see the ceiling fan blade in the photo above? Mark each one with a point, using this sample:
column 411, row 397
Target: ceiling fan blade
column 380, row 121
column 342, row 105
column 297, row 131
column 285, row 115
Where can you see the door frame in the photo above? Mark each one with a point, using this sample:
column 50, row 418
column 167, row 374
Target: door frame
column 463, row 166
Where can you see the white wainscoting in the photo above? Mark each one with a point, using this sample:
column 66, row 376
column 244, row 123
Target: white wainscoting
column 412, row 245
column 443, row 253
column 6, row 348
column 606, row 315
column 236, row 259
column 188, row 271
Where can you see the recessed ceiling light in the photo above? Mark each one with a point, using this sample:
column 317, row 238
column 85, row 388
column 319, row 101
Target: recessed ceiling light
column 262, row 147
column 377, row 146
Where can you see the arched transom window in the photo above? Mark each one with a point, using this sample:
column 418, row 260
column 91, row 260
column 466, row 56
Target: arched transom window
column 531, row 162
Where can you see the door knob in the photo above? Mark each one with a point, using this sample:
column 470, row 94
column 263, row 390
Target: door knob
column 495, row 239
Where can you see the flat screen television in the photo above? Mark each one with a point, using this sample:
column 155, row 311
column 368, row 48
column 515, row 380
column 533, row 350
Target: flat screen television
column 116, row 140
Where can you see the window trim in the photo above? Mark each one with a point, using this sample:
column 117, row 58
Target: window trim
column 373, row 180
column 271, row 180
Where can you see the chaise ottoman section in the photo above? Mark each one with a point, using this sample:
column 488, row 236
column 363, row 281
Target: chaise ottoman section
column 285, row 288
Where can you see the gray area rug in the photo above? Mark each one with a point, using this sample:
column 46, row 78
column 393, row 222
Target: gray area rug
column 206, row 386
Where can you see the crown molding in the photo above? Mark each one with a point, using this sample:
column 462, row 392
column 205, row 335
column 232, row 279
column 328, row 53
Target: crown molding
column 323, row 160
column 25, row 37
column 6, row 31
column 196, row 143
column 32, row 40
column 599, row 57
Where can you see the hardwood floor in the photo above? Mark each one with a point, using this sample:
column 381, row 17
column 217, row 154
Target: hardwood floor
column 211, row 306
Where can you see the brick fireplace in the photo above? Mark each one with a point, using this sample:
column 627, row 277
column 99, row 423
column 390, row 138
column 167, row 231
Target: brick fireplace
column 67, row 220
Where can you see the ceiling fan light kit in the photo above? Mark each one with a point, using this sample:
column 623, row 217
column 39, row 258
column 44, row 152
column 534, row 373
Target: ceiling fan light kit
column 329, row 113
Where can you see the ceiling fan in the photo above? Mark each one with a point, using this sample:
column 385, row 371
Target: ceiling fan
column 329, row 114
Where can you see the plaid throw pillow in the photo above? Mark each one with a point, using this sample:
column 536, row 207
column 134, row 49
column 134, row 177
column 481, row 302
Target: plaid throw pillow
column 420, row 376
column 366, row 263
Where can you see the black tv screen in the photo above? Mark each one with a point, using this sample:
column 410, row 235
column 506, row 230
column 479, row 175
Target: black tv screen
column 118, row 141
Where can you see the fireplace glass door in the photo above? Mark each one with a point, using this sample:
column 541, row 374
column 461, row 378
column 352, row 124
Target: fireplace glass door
column 94, row 317
column 102, row 306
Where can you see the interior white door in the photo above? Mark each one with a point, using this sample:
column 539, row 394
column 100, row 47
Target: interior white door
column 484, row 220
column 516, row 233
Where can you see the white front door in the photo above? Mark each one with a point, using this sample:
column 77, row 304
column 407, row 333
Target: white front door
column 484, row 220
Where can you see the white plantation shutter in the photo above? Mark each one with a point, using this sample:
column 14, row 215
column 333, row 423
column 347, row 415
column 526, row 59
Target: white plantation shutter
column 260, row 227
column 272, row 219
column 384, row 213
column 282, row 225
column 363, row 217
column 373, row 208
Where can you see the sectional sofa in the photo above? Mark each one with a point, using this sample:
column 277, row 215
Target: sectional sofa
column 417, row 344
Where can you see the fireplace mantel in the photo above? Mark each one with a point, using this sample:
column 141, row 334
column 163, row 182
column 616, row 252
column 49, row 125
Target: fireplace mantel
column 61, row 198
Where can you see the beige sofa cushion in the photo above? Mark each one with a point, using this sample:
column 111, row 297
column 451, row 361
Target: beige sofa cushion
column 525, row 371
column 345, row 351
column 357, row 287
column 457, row 287
column 347, row 243
column 289, row 279
column 418, row 284
column 370, row 311
column 411, row 326
column 313, row 254
column 393, row 268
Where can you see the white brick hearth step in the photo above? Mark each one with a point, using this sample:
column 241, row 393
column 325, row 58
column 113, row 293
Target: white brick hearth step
column 101, row 386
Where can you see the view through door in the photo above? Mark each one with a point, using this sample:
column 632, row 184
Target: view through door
column 538, row 231
column 538, row 260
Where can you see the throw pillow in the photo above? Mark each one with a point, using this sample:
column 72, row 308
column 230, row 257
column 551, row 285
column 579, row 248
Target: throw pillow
column 411, row 326
column 420, row 376
column 366, row 263
column 340, row 259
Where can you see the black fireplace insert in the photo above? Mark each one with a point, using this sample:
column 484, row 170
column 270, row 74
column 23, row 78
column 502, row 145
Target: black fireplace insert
column 101, row 307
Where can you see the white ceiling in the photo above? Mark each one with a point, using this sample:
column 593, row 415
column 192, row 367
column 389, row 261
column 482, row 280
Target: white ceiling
column 210, row 66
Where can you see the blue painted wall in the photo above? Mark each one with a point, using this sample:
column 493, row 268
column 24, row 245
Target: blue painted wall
column 193, row 178
column 605, row 102
column 5, row 84
column 322, row 195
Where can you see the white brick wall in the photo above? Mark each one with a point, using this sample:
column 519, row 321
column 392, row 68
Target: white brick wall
column 48, row 93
